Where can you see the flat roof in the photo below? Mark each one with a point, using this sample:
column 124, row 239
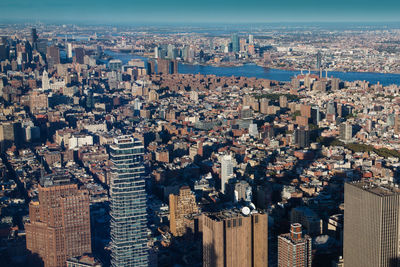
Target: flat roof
column 377, row 189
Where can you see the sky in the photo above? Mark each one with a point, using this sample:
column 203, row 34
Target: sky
column 198, row 11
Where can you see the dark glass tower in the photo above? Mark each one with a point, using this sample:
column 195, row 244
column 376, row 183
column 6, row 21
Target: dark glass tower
column 128, row 204
column 235, row 43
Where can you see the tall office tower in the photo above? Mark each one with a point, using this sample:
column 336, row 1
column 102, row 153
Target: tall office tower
column 294, row 248
column 53, row 56
column 233, row 239
column 79, row 55
column 319, row 61
column 315, row 115
column 226, row 171
column 59, row 226
column 34, row 37
column 181, row 205
column 235, row 43
column 4, row 52
column 69, row 50
column 302, row 137
column 346, row 131
column 128, row 204
column 371, row 225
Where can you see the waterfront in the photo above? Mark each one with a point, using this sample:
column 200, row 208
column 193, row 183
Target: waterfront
column 252, row 70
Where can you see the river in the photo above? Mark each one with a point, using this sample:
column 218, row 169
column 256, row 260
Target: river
column 252, row 70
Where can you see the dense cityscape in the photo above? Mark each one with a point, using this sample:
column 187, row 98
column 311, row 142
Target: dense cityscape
column 126, row 145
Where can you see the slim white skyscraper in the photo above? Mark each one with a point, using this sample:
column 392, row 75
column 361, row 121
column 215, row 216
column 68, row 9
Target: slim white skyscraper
column 226, row 171
column 69, row 50
column 128, row 204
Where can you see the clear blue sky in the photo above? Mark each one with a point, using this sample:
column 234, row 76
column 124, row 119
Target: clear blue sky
column 192, row 11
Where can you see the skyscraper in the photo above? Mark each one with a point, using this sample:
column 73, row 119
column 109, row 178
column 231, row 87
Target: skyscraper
column 371, row 225
column 315, row 115
column 59, row 225
column 53, row 56
column 302, row 137
column 34, row 38
column 319, row 61
column 233, row 239
column 167, row 66
column 128, row 204
column 163, row 66
column 79, row 55
column 294, row 248
column 235, row 43
column 180, row 206
column 226, row 171
column 69, row 50
column 346, row 131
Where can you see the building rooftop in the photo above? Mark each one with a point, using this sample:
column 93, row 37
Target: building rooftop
column 377, row 189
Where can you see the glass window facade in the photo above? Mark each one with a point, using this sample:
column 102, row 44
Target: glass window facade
column 128, row 204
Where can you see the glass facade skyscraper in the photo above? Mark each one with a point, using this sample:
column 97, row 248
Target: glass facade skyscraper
column 235, row 43
column 128, row 204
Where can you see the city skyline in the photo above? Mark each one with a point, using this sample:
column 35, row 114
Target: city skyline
column 178, row 11
column 209, row 133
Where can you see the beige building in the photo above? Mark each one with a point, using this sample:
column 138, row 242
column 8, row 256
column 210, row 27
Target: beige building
column 232, row 239
column 371, row 225
column 180, row 206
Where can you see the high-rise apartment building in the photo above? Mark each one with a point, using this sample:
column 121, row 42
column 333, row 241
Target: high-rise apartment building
column 294, row 248
column 128, row 204
column 315, row 115
column 346, row 131
column 59, row 226
column 283, row 102
column 181, row 205
column 167, row 66
column 226, row 171
column 302, row 137
column 233, row 239
column 371, row 225
column 163, row 66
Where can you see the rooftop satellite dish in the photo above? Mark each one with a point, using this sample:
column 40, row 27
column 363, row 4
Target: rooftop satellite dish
column 246, row 211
